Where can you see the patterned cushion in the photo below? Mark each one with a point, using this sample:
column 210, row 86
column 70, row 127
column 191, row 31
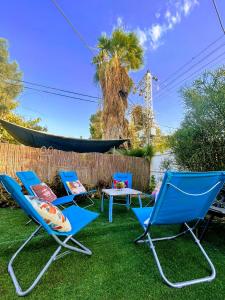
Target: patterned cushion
column 120, row 183
column 76, row 187
column 52, row 215
column 43, row 192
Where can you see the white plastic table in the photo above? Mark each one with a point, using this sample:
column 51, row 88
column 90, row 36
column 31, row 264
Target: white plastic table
column 119, row 192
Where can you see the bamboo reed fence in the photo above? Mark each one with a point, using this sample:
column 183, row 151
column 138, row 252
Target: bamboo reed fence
column 90, row 167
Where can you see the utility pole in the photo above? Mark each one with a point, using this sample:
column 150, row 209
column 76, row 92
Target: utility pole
column 148, row 107
column 144, row 87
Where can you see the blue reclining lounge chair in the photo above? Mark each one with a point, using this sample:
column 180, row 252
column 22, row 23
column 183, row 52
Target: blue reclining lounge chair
column 71, row 176
column 78, row 218
column 183, row 197
column 29, row 178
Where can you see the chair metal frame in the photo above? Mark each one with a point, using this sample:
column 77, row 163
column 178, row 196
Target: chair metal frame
column 54, row 256
column 146, row 236
column 14, row 189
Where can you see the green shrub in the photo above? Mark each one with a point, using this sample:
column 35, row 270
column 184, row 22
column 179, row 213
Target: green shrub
column 152, row 184
column 146, row 152
column 5, row 199
column 199, row 143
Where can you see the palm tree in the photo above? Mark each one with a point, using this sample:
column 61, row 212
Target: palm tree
column 117, row 55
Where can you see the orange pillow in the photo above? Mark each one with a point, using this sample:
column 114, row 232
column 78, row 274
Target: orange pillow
column 43, row 192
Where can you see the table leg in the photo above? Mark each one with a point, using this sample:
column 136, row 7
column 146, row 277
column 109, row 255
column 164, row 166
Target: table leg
column 110, row 208
column 128, row 201
column 139, row 199
column 102, row 203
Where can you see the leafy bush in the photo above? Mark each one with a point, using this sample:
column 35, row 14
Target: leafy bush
column 146, row 152
column 166, row 164
column 152, row 184
column 199, row 144
column 57, row 186
column 5, row 199
column 138, row 152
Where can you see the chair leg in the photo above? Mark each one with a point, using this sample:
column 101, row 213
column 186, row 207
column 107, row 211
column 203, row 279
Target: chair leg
column 92, row 202
column 139, row 199
column 184, row 283
column 151, row 201
column 127, row 201
column 102, row 203
column 208, row 222
column 55, row 256
column 18, row 288
column 28, row 222
column 81, row 249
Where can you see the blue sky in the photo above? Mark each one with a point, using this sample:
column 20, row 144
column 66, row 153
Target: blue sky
column 48, row 52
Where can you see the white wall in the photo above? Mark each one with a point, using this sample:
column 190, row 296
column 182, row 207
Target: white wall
column 156, row 164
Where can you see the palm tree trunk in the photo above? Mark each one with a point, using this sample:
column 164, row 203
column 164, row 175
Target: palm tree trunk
column 115, row 84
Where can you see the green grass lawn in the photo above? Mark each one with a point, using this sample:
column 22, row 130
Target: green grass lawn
column 118, row 269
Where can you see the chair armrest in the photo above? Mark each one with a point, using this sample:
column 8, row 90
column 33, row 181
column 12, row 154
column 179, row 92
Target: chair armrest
column 91, row 191
column 63, row 200
column 84, row 193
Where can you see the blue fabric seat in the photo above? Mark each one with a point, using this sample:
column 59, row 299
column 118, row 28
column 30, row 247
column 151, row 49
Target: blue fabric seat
column 29, row 178
column 143, row 214
column 78, row 217
column 183, row 197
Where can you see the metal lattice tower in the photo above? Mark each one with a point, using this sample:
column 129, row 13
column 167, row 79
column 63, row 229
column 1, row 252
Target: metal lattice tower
column 144, row 88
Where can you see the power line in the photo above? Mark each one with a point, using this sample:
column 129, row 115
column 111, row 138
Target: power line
column 72, row 26
column 56, row 94
column 53, row 88
column 58, row 89
column 173, row 91
column 193, row 58
column 197, row 71
column 194, row 65
column 186, row 78
column 61, row 95
column 218, row 15
column 131, row 101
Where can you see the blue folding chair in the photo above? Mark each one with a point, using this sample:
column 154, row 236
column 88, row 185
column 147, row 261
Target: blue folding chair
column 29, row 178
column 69, row 176
column 183, row 197
column 125, row 177
column 78, row 217
column 119, row 177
